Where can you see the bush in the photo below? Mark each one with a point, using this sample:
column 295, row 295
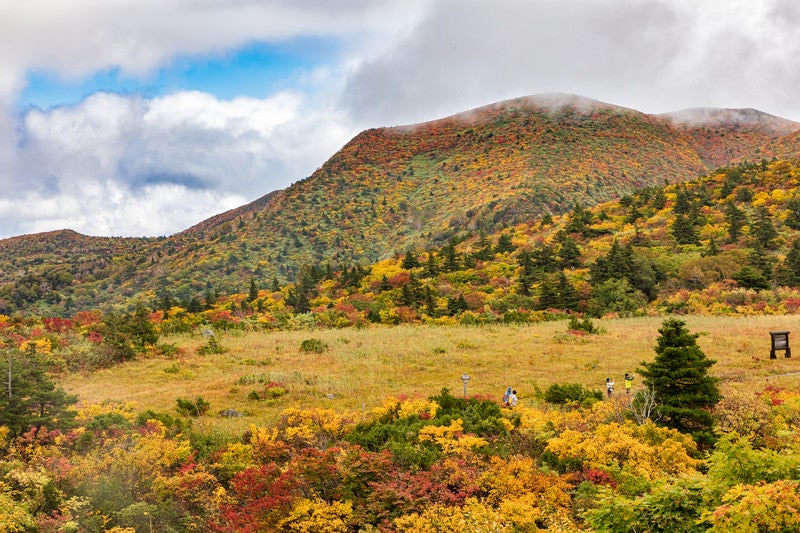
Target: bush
column 195, row 407
column 576, row 324
column 571, row 393
column 169, row 349
column 212, row 346
column 313, row 346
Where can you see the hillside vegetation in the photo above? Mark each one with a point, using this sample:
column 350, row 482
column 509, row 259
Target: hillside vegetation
column 329, row 396
column 395, row 189
column 368, row 430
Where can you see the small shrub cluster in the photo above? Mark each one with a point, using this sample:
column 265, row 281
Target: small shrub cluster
column 571, row 393
column 212, row 346
column 313, row 346
column 196, row 407
column 585, row 324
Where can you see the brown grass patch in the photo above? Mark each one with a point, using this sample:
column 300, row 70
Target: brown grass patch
column 360, row 367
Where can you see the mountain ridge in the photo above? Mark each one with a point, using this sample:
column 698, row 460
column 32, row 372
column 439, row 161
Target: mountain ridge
column 406, row 187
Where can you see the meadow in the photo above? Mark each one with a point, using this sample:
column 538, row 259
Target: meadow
column 357, row 369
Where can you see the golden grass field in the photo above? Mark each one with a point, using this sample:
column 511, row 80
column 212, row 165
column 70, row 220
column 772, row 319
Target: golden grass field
column 363, row 366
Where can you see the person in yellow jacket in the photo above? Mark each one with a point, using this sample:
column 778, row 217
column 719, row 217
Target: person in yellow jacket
column 628, row 382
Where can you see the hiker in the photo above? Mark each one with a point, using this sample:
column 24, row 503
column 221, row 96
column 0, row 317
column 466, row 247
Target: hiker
column 628, row 383
column 609, row 387
column 507, row 397
column 512, row 400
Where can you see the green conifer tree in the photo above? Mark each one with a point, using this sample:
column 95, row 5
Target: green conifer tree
column 30, row 397
column 410, row 261
column 683, row 230
column 736, row 219
column 679, row 378
column 568, row 296
column 763, row 230
column 431, row 268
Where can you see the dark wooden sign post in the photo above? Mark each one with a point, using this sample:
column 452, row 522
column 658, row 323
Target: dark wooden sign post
column 780, row 341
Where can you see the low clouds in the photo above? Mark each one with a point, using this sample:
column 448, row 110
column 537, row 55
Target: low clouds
column 470, row 52
column 133, row 165
column 124, row 165
column 652, row 55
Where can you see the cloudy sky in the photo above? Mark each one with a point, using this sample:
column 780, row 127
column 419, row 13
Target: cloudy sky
column 144, row 117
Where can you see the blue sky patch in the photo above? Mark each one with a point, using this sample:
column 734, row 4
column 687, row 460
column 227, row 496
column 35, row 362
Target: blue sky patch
column 256, row 70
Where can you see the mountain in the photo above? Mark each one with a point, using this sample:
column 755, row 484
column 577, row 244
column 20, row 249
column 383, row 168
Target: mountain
column 408, row 187
column 723, row 136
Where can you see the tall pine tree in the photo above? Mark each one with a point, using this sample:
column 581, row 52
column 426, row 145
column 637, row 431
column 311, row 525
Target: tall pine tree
column 679, row 378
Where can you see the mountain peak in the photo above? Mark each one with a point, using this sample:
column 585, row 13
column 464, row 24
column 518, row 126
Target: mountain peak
column 551, row 103
column 735, row 119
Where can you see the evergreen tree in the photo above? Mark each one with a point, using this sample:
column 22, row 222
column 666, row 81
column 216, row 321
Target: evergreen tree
column 253, row 292
column 683, row 201
column 763, row 230
column 750, row 278
column 567, row 294
column 679, row 378
column 569, row 255
column 548, row 296
column 298, row 299
column 793, row 216
column 658, row 201
column 410, row 261
column 485, row 249
column 125, row 335
column 633, row 214
column 711, row 248
column 579, row 220
column 211, row 296
column 504, row 244
column 736, row 219
column 450, row 258
column 384, row 284
column 793, row 263
column 430, row 302
column 431, row 269
column 456, row 306
column 526, row 275
column 194, row 305
column 544, row 259
column 406, row 296
column 29, row 395
column 683, row 230
column 760, row 260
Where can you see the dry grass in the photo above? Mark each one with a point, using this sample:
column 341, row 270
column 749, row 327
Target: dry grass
column 363, row 366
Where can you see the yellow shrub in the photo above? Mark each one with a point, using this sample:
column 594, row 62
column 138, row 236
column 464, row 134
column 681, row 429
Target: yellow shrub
column 420, row 407
column 87, row 412
column 234, row 459
column 473, row 517
column 507, row 482
column 450, row 438
column 647, row 450
column 313, row 426
column 40, row 346
column 317, row 516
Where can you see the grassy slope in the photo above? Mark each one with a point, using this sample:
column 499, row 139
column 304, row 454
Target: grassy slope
column 363, row 366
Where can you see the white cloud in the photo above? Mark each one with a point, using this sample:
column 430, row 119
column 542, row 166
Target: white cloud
column 125, row 165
